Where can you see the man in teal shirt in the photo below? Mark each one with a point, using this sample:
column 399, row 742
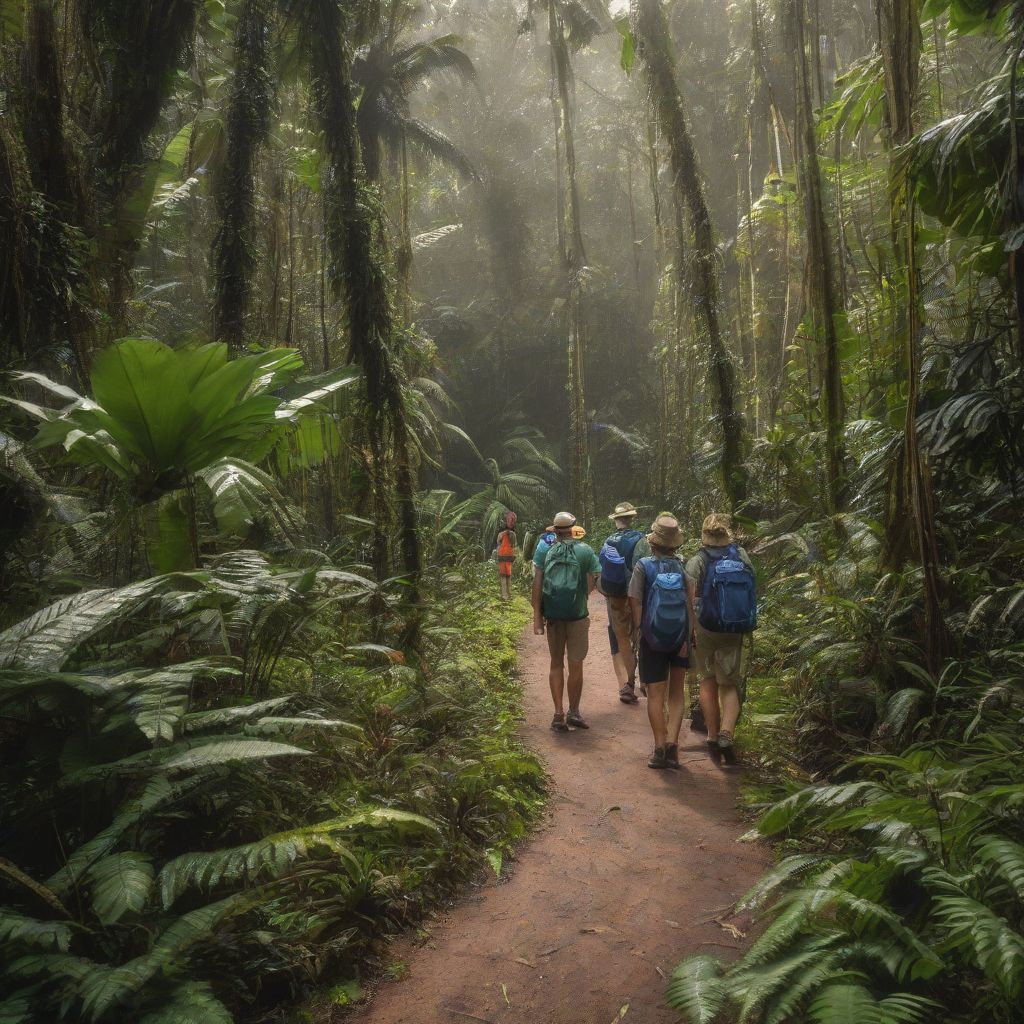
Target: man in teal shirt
column 567, row 628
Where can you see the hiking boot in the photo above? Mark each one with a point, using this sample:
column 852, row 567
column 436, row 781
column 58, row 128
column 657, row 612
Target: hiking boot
column 726, row 748
column 558, row 724
column 715, row 751
column 575, row 719
column 672, row 755
column 628, row 694
column 658, row 759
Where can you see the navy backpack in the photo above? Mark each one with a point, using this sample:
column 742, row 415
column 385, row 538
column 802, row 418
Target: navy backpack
column 666, row 620
column 728, row 598
column 615, row 556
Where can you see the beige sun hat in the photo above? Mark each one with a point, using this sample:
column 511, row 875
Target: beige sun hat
column 624, row 510
column 665, row 532
column 563, row 520
column 716, row 531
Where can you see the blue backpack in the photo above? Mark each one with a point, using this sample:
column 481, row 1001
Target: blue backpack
column 728, row 597
column 615, row 558
column 666, row 620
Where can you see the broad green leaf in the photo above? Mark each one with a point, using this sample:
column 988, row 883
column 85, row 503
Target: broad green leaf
column 121, row 884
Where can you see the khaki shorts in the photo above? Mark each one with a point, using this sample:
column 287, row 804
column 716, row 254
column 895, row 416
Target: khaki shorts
column 568, row 638
column 718, row 656
column 620, row 616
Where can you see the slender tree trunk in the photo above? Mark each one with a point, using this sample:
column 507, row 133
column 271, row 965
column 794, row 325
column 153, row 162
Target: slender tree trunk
column 652, row 32
column 821, row 279
column 581, row 488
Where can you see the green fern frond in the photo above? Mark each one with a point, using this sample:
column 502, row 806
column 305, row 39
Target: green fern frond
column 20, row 930
column 221, row 718
column 102, row 990
column 758, row 984
column 1005, row 858
column 845, row 1003
column 696, row 990
column 190, row 1003
column 787, row 812
column 121, row 884
column 904, row 1008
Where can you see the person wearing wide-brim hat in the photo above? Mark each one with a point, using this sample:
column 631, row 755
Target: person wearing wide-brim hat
column 631, row 545
column 716, row 656
column 561, row 613
column 662, row 672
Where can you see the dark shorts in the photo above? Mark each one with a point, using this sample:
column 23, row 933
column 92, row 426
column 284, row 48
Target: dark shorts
column 654, row 665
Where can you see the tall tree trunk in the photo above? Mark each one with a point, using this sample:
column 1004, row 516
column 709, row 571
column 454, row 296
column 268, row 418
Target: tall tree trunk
column 358, row 271
column 821, row 278
column 911, row 509
column 652, row 33
column 248, row 125
column 581, row 486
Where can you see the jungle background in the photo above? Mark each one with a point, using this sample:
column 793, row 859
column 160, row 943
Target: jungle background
column 297, row 297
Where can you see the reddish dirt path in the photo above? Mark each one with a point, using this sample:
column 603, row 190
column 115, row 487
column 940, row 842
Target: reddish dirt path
column 628, row 876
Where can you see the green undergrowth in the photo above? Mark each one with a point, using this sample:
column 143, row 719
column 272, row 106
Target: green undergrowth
column 193, row 835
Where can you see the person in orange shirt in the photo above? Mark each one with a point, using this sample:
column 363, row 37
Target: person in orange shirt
column 507, row 555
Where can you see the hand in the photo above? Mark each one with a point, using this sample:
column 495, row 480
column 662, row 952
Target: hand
column 538, row 627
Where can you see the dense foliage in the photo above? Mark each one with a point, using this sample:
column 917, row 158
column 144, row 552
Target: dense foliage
column 411, row 266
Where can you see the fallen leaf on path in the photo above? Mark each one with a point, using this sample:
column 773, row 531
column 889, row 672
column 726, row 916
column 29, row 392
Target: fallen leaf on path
column 622, row 1013
column 526, row 963
column 732, row 930
column 504, row 992
column 614, row 807
column 672, row 924
column 661, row 972
column 595, row 929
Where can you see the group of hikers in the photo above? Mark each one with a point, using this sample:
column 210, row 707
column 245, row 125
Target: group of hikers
column 664, row 618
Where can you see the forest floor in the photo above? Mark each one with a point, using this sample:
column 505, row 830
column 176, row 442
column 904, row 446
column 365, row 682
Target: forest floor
column 633, row 870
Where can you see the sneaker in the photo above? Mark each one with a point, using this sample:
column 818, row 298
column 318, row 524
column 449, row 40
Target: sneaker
column 714, row 751
column 672, row 755
column 628, row 694
column 726, row 748
column 575, row 719
column 558, row 724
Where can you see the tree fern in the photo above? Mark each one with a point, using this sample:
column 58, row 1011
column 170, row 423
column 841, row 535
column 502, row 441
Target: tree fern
column 696, row 990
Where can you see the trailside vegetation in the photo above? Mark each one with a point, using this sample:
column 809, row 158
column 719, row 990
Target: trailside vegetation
column 297, row 299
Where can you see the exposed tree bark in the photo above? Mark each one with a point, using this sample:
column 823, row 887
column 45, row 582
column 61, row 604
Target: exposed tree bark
column 248, row 124
column 651, row 29
column 821, row 277
column 581, row 486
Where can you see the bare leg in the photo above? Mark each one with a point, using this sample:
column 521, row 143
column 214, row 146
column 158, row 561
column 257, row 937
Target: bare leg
column 575, row 684
column 709, row 704
column 556, row 679
column 676, row 702
column 504, row 588
column 656, row 711
column 621, row 672
column 730, row 700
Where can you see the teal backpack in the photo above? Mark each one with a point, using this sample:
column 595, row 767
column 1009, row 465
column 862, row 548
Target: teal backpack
column 561, row 582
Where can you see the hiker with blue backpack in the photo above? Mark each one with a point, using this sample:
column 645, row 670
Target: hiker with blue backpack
column 618, row 557
column 566, row 573
column 660, row 610
column 723, row 609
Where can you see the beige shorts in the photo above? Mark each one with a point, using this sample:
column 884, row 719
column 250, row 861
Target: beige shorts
column 717, row 656
column 568, row 638
column 620, row 615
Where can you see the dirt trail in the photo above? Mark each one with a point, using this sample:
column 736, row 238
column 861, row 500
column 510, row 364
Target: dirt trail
column 627, row 877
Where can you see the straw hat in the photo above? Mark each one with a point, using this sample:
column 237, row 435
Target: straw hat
column 624, row 510
column 563, row 520
column 665, row 532
column 717, row 530
column 578, row 533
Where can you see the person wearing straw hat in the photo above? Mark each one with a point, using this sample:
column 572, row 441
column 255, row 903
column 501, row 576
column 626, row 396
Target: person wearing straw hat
column 618, row 557
column 566, row 573
column 717, row 656
column 657, row 598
